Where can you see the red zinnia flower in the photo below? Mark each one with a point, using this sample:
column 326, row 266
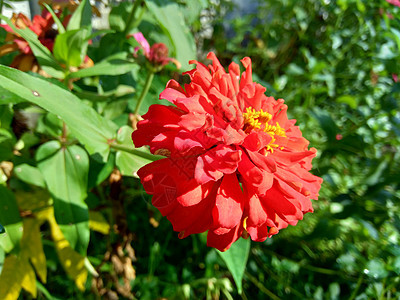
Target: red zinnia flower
column 235, row 164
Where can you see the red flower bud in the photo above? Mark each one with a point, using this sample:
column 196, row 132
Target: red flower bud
column 159, row 54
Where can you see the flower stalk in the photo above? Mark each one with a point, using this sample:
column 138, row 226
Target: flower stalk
column 136, row 152
column 145, row 90
column 131, row 18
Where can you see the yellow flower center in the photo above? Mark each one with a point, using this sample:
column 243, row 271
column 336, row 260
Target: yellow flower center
column 258, row 120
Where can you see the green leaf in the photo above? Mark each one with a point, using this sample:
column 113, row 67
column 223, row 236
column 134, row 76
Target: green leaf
column 172, row 21
column 376, row 269
column 29, row 174
column 50, row 124
column 10, row 219
column 129, row 163
column 57, row 21
column 377, row 173
column 121, row 91
column 361, row 6
column 119, row 15
column 236, row 259
column 8, row 97
column 106, row 67
column 349, row 100
column 42, row 54
column 70, row 47
column 90, row 128
column 82, row 16
column 7, row 142
column 65, row 171
column 6, row 116
column 98, row 171
column 326, row 122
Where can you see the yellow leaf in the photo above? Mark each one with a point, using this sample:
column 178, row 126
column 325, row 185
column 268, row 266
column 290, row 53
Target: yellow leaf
column 29, row 279
column 11, row 278
column 32, row 247
column 45, row 214
column 72, row 262
column 32, row 200
column 98, row 223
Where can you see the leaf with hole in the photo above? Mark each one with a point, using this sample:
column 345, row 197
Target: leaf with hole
column 90, row 128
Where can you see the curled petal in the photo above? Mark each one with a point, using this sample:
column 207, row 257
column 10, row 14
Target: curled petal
column 229, row 203
column 222, row 242
column 253, row 176
column 216, row 162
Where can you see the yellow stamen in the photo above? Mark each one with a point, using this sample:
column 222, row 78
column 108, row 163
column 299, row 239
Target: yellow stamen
column 258, row 120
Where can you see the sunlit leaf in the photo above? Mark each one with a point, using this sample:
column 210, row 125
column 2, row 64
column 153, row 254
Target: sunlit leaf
column 29, row 174
column 81, row 17
column 129, row 163
column 29, row 279
column 89, row 127
column 32, row 247
column 171, row 20
column 106, row 67
column 72, row 262
column 10, row 280
column 65, row 171
column 348, row 99
column 98, row 223
column 236, row 259
column 70, row 47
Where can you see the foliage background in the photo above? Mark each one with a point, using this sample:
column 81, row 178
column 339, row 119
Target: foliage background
column 332, row 61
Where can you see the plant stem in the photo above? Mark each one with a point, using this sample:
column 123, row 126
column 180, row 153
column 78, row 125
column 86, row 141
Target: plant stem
column 136, row 152
column 261, row 287
column 145, row 90
column 277, row 279
column 131, row 18
column 139, row 17
column 1, row 6
column 355, row 291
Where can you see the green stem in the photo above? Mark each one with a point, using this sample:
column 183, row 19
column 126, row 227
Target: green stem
column 136, row 152
column 1, row 6
column 261, row 287
column 278, row 279
column 355, row 291
column 145, row 90
column 131, row 18
column 139, row 17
